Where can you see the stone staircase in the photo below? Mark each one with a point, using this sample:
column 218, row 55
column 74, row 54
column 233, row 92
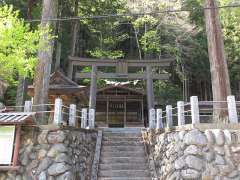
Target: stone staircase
column 123, row 155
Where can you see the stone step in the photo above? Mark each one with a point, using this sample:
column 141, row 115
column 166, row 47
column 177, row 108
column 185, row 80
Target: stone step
column 124, row 178
column 122, row 148
column 117, row 134
column 124, row 173
column 121, row 143
column 108, row 160
column 113, row 130
column 123, row 166
column 123, row 154
column 120, row 138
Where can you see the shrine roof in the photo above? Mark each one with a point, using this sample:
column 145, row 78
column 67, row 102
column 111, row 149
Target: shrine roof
column 123, row 87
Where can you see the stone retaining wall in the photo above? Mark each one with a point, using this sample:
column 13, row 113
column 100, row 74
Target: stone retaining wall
column 194, row 154
column 60, row 154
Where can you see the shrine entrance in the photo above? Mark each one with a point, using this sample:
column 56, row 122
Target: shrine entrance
column 116, row 114
column 120, row 106
column 117, row 108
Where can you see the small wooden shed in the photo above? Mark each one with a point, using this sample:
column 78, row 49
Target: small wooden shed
column 66, row 89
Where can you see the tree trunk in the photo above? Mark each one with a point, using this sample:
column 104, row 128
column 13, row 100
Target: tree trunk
column 22, row 81
column 74, row 30
column 30, row 7
column 218, row 64
column 21, row 92
column 43, row 69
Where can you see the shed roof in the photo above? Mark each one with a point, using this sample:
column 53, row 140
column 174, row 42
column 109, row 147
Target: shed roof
column 17, row 118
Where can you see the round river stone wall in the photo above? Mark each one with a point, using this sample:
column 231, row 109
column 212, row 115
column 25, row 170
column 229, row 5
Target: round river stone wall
column 209, row 155
column 62, row 154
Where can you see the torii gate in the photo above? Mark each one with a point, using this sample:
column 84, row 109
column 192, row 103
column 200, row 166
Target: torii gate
column 121, row 73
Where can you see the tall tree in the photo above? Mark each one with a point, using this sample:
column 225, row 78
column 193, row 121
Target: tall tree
column 218, row 64
column 43, row 69
column 23, row 81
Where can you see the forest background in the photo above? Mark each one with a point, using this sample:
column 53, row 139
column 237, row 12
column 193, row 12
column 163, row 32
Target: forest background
column 153, row 36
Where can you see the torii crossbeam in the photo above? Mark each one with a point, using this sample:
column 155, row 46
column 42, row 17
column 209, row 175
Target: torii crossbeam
column 122, row 72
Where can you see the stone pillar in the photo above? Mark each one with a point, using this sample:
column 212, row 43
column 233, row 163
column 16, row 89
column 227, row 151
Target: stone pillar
column 169, row 116
column 180, row 108
column 91, row 118
column 84, row 118
column 93, row 88
column 159, row 119
column 194, row 109
column 72, row 115
column 150, row 94
column 232, row 109
column 28, row 106
column 58, row 111
column 152, row 118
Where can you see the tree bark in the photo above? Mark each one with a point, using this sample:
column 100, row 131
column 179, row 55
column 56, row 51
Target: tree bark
column 23, row 81
column 218, row 64
column 30, row 8
column 43, row 69
column 74, row 30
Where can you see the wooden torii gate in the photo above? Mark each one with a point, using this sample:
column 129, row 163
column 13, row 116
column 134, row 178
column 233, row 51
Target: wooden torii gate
column 121, row 73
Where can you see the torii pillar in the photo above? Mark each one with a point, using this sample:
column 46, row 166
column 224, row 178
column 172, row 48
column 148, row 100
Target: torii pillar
column 93, row 88
column 92, row 97
column 150, row 94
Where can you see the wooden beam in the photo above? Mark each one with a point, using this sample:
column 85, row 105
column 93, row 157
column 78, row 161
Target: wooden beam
column 122, row 76
column 9, row 168
column 16, row 145
column 113, row 62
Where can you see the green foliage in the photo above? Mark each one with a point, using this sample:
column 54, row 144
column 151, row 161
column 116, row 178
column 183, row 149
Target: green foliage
column 150, row 42
column 180, row 35
column 196, row 15
column 104, row 37
column 147, row 19
column 167, row 92
column 18, row 45
column 98, row 53
column 231, row 30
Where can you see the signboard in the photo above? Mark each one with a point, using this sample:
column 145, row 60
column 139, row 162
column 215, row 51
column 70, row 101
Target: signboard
column 7, row 134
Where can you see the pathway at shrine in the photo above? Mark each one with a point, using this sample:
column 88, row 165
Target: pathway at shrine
column 123, row 155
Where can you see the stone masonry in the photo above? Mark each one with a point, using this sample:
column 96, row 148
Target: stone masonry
column 212, row 154
column 60, row 154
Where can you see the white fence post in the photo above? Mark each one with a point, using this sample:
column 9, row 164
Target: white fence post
column 169, row 116
column 159, row 119
column 180, row 109
column 58, row 111
column 28, row 106
column 232, row 109
column 72, row 115
column 152, row 118
column 91, row 118
column 194, row 109
column 84, row 118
